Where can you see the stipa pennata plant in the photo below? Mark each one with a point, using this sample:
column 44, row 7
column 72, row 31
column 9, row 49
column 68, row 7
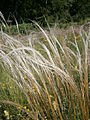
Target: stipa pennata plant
column 53, row 73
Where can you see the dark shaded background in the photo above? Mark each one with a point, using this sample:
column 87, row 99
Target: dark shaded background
column 63, row 10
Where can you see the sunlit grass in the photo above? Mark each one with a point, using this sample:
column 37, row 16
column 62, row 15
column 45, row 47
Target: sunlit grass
column 52, row 72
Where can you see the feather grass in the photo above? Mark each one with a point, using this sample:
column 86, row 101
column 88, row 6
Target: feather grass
column 48, row 80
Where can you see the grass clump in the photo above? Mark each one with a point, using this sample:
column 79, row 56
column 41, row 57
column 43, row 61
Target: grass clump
column 52, row 73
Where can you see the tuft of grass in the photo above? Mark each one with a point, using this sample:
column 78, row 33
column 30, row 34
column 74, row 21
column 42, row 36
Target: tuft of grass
column 52, row 73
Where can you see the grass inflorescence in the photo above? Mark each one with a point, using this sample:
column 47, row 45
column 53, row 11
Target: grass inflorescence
column 52, row 71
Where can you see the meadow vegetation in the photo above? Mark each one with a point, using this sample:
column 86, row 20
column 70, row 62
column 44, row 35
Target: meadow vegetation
column 45, row 75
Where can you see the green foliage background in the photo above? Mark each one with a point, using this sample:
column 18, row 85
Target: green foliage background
column 63, row 10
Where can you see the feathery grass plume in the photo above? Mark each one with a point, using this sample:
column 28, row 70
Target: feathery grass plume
column 53, row 74
column 4, row 23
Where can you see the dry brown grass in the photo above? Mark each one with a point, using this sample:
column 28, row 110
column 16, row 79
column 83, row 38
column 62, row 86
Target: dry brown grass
column 52, row 72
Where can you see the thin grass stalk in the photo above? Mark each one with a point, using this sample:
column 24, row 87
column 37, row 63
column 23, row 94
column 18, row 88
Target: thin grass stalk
column 56, row 96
